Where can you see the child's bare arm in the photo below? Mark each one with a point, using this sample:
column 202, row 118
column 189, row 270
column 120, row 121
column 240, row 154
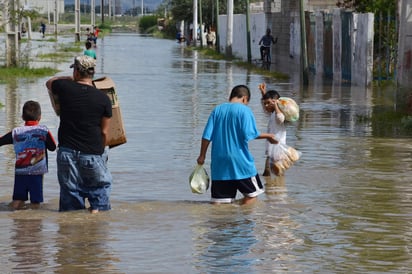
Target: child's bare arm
column 262, row 88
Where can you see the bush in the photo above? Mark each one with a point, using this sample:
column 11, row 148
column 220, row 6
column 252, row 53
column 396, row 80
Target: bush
column 147, row 22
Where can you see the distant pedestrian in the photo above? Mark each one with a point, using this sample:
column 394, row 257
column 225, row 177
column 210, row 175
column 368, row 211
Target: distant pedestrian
column 90, row 36
column 43, row 29
column 31, row 143
column 96, row 32
column 211, row 38
column 89, row 51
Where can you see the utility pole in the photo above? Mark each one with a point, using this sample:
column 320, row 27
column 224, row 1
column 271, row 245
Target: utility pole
column 11, row 30
column 48, row 11
column 229, row 31
column 102, row 10
column 93, row 13
column 217, row 27
column 27, row 7
column 194, row 30
column 55, row 18
column 201, row 23
column 249, row 48
column 304, row 51
column 77, row 20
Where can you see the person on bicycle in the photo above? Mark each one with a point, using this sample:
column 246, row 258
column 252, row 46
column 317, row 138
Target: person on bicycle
column 265, row 43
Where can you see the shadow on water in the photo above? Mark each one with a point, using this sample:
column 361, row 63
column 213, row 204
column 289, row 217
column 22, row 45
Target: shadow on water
column 342, row 208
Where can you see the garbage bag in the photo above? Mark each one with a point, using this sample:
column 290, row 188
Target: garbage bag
column 289, row 108
column 282, row 157
column 199, row 180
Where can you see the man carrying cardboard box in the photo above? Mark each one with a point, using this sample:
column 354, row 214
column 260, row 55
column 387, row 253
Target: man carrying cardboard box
column 85, row 114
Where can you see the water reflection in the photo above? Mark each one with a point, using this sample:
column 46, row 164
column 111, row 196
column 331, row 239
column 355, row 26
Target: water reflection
column 12, row 117
column 275, row 186
column 27, row 246
column 82, row 245
column 226, row 242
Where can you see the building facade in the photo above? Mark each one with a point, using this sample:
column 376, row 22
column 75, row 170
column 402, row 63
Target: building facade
column 44, row 6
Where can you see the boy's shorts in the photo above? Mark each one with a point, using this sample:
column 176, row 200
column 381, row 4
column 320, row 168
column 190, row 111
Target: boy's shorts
column 224, row 191
column 25, row 184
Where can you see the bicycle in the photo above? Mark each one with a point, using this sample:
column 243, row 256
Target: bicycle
column 266, row 57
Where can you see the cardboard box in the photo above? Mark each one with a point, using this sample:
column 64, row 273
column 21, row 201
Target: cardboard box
column 117, row 134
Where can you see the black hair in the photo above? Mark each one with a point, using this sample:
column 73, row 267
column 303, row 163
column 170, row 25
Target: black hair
column 31, row 111
column 88, row 44
column 239, row 91
column 271, row 94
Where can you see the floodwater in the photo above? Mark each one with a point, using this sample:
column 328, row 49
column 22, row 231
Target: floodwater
column 344, row 207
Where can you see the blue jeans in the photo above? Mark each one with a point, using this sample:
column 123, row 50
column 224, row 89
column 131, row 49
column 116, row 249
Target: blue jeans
column 83, row 176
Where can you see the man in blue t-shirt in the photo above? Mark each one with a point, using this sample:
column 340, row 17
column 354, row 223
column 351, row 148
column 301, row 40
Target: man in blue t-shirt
column 229, row 128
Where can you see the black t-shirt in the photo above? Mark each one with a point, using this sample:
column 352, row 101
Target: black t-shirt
column 82, row 108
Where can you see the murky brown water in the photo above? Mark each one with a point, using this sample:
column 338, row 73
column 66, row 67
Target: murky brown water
column 345, row 207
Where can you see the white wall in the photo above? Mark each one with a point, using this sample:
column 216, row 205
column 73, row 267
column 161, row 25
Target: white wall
column 239, row 47
column 362, row 63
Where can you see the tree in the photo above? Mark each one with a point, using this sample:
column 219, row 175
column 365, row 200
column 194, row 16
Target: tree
column 183, row 9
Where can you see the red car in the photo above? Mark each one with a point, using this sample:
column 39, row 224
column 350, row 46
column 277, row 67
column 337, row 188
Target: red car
column 29, row 157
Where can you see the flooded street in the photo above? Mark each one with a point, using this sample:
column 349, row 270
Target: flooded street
column 344, row 207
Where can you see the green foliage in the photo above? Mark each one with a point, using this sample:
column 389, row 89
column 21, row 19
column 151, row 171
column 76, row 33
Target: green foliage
column 183, row 9
column 105, row 26
column 374, row 6
column 22, row 13
column 147, row 22
column 169, row 31
column 14, row 72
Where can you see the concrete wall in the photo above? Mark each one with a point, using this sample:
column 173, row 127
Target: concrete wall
column 319, row 49
column 362, row 62
column 239, row 47
column 337, row 44
column 405, row 44
column 324, row 40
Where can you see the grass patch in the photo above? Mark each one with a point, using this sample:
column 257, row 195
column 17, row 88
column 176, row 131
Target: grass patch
column 7, row 73
column 62, row 52
column 76, row 47
column 212, row 53
column 262, row 71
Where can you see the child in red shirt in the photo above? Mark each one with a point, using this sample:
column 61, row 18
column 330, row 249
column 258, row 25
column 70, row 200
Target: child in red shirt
column 31, row 143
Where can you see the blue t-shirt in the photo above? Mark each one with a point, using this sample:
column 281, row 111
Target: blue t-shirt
column 229, row 128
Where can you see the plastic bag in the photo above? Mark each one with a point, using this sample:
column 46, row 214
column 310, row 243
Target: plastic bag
column 282, row 157
column 199, row 180
column 289, row 108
